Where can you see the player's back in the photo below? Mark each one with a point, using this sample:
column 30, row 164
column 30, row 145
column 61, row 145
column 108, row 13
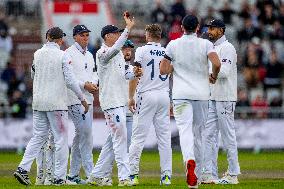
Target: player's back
column 48, row 82
column 150, row 56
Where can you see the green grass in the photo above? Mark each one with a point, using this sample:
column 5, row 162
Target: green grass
column 264, row 170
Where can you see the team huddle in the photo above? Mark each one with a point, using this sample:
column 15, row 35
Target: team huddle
column 133, row 96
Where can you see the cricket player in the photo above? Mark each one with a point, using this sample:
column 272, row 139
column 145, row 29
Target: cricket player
column 51, row 77
column 127, row 53
column 221, row 109
column 151, row 106
column 186, row 58
column 113, row 100
column 45, row 159
column 83, row 65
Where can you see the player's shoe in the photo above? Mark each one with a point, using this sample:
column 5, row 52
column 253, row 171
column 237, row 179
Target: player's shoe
column 59, row 182
column 134, row 180
column 76, row 179
column 99, row 181
column 207, row 178
column 39, row 181
column 166, row 180
column 125, row 182
column 191, row 178
column 229, row 179
column 22, row 176
column 48, row 181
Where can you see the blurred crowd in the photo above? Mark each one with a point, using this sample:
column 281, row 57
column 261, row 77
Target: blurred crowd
column 256, row 29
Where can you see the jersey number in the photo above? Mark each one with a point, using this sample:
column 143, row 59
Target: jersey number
column 151, row 63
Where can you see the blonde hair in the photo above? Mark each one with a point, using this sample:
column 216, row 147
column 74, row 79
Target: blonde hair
column 154, row 30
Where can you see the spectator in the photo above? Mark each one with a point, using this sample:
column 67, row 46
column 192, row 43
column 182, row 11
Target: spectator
column 268, row 17
column 159, row 15
column 252, row 69
column 249, row 31
column 245, row 10
column 273, row 72
column 8, row 73
column 175, row 30
column 177, row 11
column 242, row 99
column 281, row 14
column 227, row 12
column 242, row 102
column 5, row 43
column 15, row 7
column 18, row 105
column 277, row 32
column 260, row 107
column 3, row 25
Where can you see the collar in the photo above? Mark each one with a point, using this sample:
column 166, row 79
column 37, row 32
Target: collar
column 51, row 44
column 80, row 48
column 154, row 43
column 220, row 40
column 190, row 35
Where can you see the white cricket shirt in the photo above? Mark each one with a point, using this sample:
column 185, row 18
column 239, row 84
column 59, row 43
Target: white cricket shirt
column 190, row 63
column 150, row 56
column 225, row 88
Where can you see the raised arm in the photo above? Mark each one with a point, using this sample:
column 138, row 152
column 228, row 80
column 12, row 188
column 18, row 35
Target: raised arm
column 114, row 50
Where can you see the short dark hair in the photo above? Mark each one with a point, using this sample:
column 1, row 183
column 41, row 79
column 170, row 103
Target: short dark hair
column 190, row 23
column 155, row 30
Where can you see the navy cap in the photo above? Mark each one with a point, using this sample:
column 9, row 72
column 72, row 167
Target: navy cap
column 128, row 43
column 216, row 23
column 55, row 33
column 190, row 22
column 110, row 29
column 80, row 29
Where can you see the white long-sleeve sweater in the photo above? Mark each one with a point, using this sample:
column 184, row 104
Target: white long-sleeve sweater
column 51, row 77
column 112, row 74
column 83, row 66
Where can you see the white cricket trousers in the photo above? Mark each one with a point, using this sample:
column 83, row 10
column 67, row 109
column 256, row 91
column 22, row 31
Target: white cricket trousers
column 190, row 116
column 221, row 118
column 57, row 121
column 45, row 159
column 82, row 146
column 115, row 146
column 152, row 108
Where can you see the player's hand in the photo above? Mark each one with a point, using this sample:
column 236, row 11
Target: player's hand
column 138, row 71
column 212, row 79
column 131, row 105
column 90, row 87
column 128, row 20
column 86, row 106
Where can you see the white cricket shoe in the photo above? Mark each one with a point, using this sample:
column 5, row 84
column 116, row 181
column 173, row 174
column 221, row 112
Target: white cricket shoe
column 229, row 179
column 99, row 181
column 125, row 182
column 207, row 178
column 166, row 180
column 39, row 181
column 48, row 181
